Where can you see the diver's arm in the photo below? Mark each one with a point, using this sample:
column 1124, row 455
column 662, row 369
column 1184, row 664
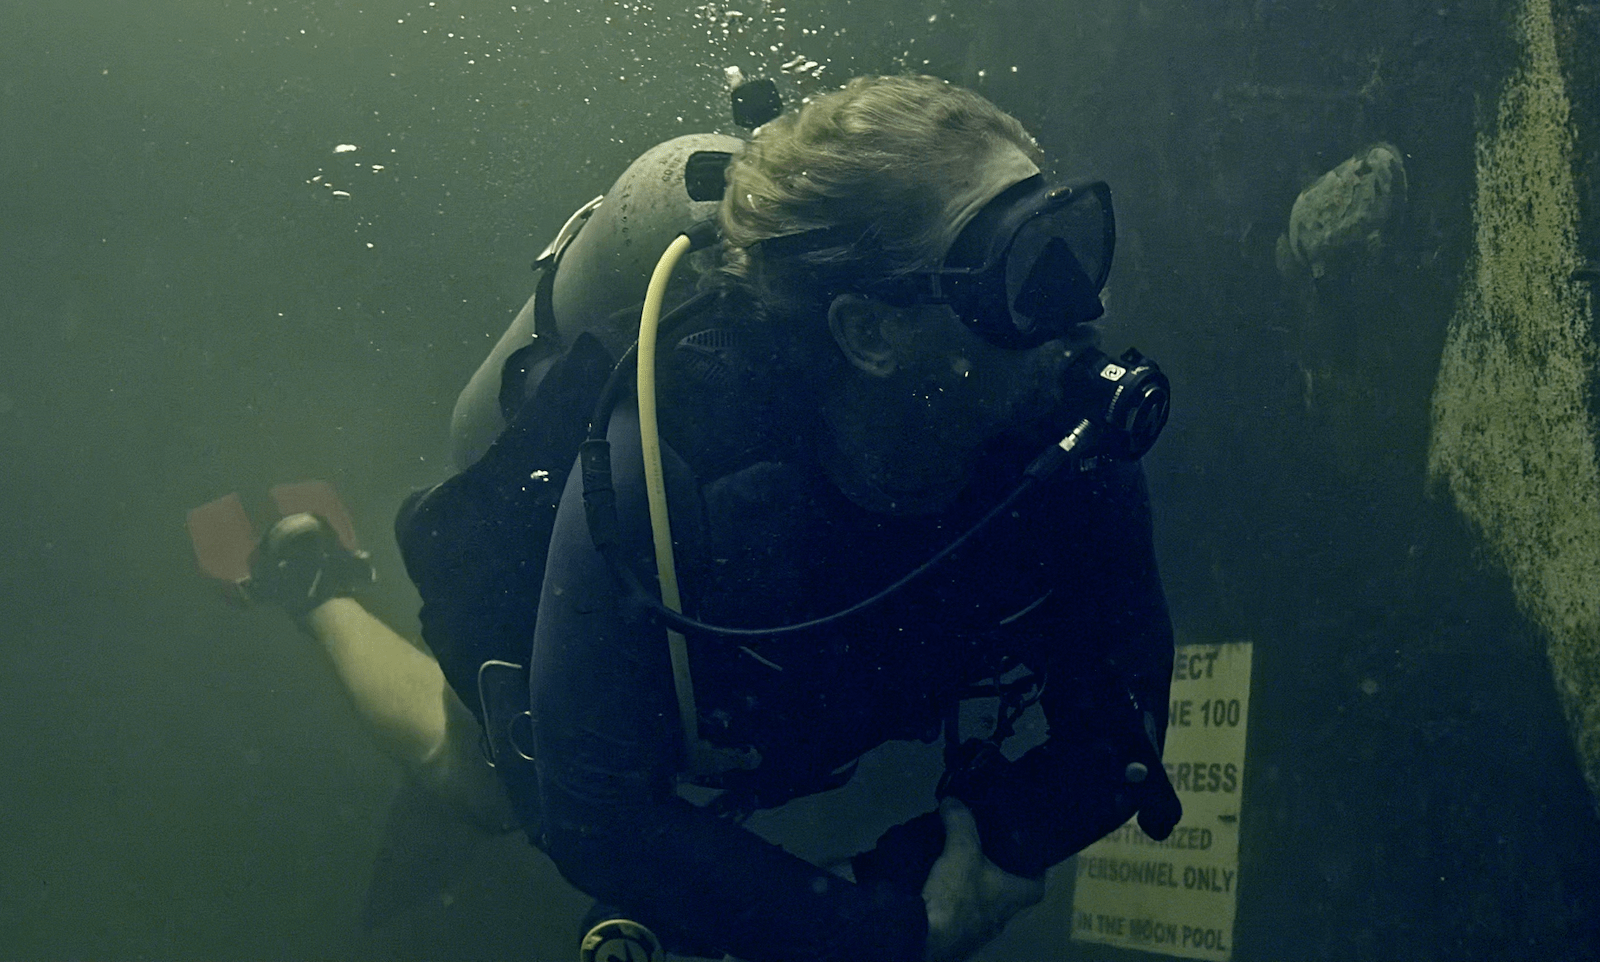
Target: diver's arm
column 607, row 745
column 414, row 717
column 709, row 887
column 1111, row 636
column 608, row 748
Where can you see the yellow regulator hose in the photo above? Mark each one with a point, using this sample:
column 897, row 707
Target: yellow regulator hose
column 703, row 758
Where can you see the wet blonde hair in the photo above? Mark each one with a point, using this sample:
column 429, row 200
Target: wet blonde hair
column 875, row 164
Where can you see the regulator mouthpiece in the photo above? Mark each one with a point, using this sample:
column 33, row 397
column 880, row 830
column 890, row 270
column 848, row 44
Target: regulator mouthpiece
column 1127, row 399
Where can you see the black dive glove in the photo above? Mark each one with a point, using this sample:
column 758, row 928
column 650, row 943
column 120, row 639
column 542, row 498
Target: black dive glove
column 301, row 563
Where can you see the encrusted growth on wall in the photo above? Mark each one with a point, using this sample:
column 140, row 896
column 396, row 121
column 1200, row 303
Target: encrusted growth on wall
column 1512, row 435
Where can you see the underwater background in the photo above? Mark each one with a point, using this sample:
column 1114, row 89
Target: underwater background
column 1381, row 467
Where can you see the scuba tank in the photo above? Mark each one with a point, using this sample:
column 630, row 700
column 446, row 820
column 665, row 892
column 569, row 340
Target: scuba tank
column 475, row 544
column 593, row 275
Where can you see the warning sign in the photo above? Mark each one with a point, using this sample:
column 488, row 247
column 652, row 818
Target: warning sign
column 1177, row 897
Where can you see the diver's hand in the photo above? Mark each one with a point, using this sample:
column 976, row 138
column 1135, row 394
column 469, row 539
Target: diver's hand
column 969, row 898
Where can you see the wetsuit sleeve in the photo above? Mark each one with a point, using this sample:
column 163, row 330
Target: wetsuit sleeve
column 1070, row 791
column 607, row 744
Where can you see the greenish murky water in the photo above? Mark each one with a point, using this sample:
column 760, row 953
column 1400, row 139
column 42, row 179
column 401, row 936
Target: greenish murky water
column 247, row 243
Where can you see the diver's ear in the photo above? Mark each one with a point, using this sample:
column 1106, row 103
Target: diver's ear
column 858, row 327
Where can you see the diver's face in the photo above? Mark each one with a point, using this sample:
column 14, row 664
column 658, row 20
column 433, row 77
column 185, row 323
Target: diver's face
column 980, row 389
column 973, row 390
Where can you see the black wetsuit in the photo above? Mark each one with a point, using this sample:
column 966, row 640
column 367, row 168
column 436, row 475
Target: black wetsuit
column 773, row 543
column 1066, row 587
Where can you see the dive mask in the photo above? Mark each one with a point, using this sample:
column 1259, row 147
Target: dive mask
column 1027, row 268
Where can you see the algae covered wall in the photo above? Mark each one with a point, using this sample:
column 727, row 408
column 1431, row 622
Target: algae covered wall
column 1514, row 439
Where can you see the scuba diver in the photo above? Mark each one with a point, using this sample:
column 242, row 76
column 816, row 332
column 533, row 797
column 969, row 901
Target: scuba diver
column 878, row 467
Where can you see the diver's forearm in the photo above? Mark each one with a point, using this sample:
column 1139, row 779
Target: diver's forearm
column 410, row 711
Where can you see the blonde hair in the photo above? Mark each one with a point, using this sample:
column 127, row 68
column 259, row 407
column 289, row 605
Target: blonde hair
column 870, row 168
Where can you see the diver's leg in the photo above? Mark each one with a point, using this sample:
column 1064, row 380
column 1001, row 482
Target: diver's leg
column 412, row 714
column 399, row 691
